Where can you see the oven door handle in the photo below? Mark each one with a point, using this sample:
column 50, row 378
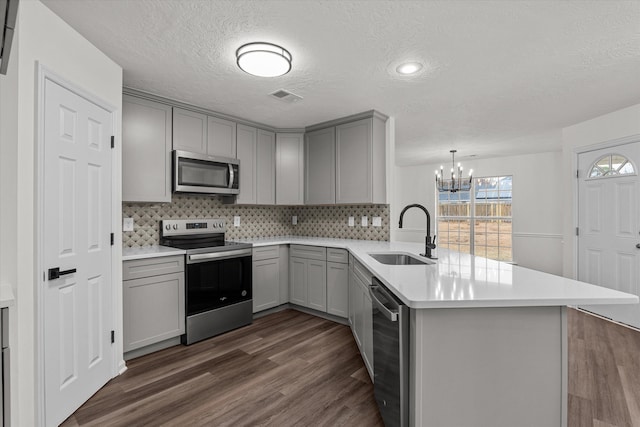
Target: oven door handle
column 219, row 255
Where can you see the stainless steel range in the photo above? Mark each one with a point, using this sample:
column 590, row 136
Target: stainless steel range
column 218, row 276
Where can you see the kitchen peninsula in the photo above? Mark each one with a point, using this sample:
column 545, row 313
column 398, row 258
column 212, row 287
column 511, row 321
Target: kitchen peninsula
column 487, row 335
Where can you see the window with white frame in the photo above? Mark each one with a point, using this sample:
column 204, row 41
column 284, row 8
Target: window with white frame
column 478, row 221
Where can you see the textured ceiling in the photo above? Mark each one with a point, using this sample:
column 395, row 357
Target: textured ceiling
column 501, row 77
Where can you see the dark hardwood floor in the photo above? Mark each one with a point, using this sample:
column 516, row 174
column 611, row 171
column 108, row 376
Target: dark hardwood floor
column 286, row 369
column 291, row 368
column 604, row 372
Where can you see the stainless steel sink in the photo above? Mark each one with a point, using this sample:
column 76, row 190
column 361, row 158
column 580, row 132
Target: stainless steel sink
column 399, row 258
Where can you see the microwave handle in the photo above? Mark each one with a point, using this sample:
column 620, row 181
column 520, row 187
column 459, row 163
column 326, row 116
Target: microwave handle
column 232, row 176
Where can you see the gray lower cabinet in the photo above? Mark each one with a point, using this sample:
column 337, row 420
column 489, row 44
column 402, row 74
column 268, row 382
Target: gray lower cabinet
column 317, row 285
column 298, row 280
column 289, row 169
column 337, row 282
column 189, row 131
column 284, row 273
column 360, row 311
column 5, row 388
column 153, row 301
column 146, row 150
column 308, row 276
column 266, row 278
column 320, row 167
column 360, row 161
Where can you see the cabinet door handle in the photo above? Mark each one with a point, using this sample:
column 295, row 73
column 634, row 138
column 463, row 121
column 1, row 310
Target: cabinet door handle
column 55, row 273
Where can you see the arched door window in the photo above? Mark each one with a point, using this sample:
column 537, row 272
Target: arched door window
column 611, row 165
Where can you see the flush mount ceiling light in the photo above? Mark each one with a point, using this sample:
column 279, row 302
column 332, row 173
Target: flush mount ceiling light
column 409, row 68
column 263, row 59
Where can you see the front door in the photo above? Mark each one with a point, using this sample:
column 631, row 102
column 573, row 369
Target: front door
column 609, row 225
column 77, row 309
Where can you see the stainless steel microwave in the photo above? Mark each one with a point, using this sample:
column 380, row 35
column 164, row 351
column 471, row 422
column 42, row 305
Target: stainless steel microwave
column 199, row 173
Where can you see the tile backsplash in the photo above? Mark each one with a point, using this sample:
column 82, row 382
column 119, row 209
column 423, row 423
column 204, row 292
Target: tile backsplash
column 255, row 221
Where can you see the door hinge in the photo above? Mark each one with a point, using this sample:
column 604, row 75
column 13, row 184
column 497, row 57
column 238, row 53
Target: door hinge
column 113, row 337
column 113, row 141
column 112, row 238
column 577, row 231
column 578, row 173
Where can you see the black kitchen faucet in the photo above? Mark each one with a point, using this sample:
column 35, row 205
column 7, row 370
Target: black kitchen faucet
column 428, row 243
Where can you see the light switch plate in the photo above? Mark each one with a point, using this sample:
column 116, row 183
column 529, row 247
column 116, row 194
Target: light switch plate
column 365, row 221
column 236, row 221
column 294, row 220
column 376, row 221
column 127, row 224
column 352, row 221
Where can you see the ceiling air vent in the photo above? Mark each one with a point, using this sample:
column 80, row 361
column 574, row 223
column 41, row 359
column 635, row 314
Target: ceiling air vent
column 286, row 96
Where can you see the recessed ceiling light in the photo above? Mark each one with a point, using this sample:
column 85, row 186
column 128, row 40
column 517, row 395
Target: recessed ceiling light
column 409, row 68
column 263, row 59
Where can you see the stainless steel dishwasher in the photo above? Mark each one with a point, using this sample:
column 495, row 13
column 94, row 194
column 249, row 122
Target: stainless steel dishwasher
column 390, row 355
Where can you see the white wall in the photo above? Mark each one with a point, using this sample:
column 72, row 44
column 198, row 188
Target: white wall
column 618, row 124
column 43, row 37
column 537, row 204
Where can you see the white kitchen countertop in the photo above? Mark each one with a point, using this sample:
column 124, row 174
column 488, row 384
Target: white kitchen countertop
column 129, row 254
column 459, row 280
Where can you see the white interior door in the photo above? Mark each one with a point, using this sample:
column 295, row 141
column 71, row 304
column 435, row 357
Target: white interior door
column 609, row 225
column 76, row 237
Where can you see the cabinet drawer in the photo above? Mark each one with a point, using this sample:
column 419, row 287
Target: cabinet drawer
column 308, row 252
column 338, row 255
column 266, row 252
column 362, row 273
column 139, row 268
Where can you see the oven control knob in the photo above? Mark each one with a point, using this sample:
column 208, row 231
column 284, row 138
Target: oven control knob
column 167, row 227
column 214, row 225
column 175, row 226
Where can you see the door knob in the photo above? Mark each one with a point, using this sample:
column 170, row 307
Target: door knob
column 638, row 245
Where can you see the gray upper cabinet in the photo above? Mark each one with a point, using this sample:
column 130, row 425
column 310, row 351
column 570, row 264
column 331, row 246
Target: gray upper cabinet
column 221, row 137
column 189, row 131
column 246, row 151
column 146, row 150
column 289, row 169
column 360, row 161
column 266, row 168
column 256, row 150
column 320, row 167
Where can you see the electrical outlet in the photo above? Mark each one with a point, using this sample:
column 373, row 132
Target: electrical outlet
column 294, row 220
column 236, row 221
column 127, row 224
column 365, row 221
column 376, row 221
column 352, row 221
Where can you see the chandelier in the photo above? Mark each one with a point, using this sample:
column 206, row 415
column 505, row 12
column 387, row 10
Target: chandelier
column 456, row 182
